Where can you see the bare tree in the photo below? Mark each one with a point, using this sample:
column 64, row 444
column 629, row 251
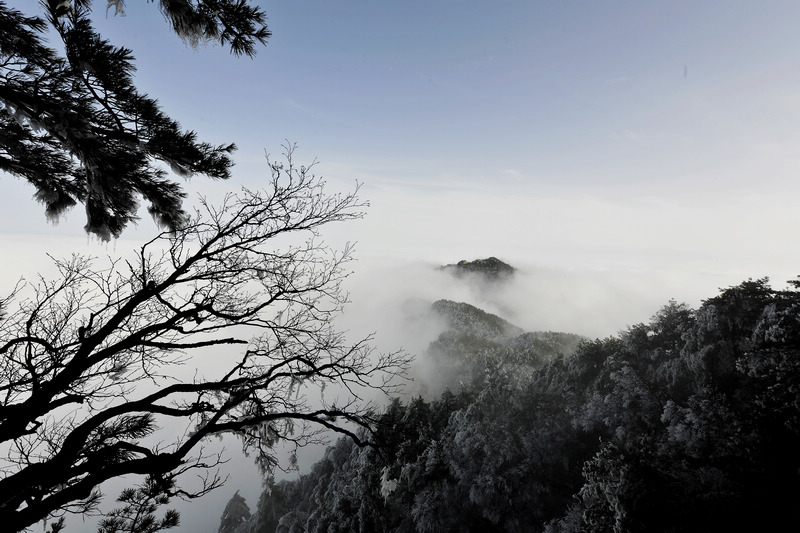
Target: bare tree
column 90, row 362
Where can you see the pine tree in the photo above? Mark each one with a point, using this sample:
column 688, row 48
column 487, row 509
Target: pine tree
column 236, row 513
column 138, row 513
column 76, row 127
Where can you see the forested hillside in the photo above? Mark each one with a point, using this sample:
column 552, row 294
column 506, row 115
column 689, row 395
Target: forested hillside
column 690, row 422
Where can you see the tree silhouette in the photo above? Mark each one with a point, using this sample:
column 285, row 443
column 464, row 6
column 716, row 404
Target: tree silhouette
column 93, row 364
column 74, row 125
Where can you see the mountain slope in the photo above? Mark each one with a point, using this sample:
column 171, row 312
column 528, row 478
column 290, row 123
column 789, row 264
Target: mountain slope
column 475, row 341
column 688, row 422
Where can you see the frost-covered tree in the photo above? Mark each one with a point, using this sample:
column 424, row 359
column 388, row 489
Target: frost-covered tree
column 688, row 422
column 94, row 382
column 73, row 124
column 235, row 515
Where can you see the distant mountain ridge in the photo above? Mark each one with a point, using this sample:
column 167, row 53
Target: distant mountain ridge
column 490, row 268
column 467, row 318
column 476, row 340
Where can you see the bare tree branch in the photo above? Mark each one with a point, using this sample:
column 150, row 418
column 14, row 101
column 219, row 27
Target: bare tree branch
column 93, row 361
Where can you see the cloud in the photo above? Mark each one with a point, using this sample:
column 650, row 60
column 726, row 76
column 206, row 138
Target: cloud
column 393, row 298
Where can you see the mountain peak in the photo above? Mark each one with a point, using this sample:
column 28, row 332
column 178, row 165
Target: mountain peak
column 490, row 268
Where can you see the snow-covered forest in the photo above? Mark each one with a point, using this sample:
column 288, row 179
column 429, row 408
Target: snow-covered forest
column 688, row 422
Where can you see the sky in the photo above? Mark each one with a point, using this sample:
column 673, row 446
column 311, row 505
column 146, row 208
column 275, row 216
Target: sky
column 619, row 153
column 634, row 135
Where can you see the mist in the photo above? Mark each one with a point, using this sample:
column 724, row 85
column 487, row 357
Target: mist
column 391, row 299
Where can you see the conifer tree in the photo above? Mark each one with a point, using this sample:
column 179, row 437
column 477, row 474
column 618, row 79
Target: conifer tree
column 74, row 125
column 236, row 513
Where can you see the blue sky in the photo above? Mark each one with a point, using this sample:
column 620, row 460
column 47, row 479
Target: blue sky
column 624, row 117
column 557, row 94
column 653, row 138
column 624, row 152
